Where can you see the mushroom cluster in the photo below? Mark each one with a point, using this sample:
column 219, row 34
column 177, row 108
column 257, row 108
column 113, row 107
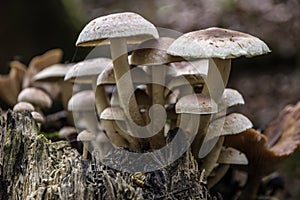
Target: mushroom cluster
column 167, row 83
column 135, row 99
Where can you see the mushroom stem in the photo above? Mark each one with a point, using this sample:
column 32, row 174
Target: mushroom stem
column 91, row 122
column 158, row 82
column 100, row 97
column 219, row 173
column 208, row 163
column 119, row 55
column 85, row 150
column 217, row 78
column 251, row 188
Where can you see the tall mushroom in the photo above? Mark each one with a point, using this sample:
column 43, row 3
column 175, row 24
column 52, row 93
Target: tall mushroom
column 220, row 46
column 118, row 30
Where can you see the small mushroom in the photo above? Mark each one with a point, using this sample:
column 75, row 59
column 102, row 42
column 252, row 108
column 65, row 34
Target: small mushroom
column 39, row 119
column 83, row 103
column 114, row 121
column 55, row 74
column 85, row 137
column 23, row 106
column 37, row 97
column 189, row 108
column 38, row 63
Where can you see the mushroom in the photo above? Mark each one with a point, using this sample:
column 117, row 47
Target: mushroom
column 11, row 84
column 83, row 103
column 23, row 106
column 118, row 30
column 114, row 121
column 102, row 144
column 39, row 119
column 219, row 46
column 86, row 72
column 152, row 53
column 55, row 74
column 38, row 63
column 189, row 108
column 37, row 97
column 263, row 152
column 85, row 137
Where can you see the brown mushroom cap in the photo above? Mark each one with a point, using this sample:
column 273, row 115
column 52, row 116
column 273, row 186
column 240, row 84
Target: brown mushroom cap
column 120, row 25
column 84, row 70
column 22, row 106
column 217, row 43
column 196, row 104
column 154, row 52
column 82, row 101
column 36, row 97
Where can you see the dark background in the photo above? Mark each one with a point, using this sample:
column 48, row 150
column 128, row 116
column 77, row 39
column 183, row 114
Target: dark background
column 268, row 83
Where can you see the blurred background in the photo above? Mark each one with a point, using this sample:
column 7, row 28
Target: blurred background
column 268, row 83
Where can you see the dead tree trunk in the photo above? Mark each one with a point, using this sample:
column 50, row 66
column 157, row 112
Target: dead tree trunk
column 32, row 167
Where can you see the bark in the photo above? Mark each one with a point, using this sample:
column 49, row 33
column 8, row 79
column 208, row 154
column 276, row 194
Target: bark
column 32, row 167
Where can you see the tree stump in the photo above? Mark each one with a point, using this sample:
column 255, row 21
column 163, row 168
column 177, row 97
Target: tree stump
column 33, row 167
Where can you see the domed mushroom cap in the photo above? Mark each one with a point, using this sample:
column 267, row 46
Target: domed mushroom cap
column 36, row 97
column 113, row 113
column 22, row 106
column 154, row 52
column 129, row 25
column 84, row 70
column 52, row 73
column 82, row 101
column 37, row 117
column 85, row 136
column 107, row 77
column 217, row 43
column 196, row 104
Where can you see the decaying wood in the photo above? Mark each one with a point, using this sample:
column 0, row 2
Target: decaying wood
column 32, row 167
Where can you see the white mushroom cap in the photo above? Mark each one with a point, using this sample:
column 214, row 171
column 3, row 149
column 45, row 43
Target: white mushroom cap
column 84, row 70
column 107, row 77
column 52, row 73
column 231, row 98
column 232, row 124
column 82, row 101
column 36, row 97
column 22, row 106
column 217, row 43
column 232, row 156
column 196, row 104
column 37, row 117
column 120, row 25
column 85, row 136
column 113, row 113
column 154, row 52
